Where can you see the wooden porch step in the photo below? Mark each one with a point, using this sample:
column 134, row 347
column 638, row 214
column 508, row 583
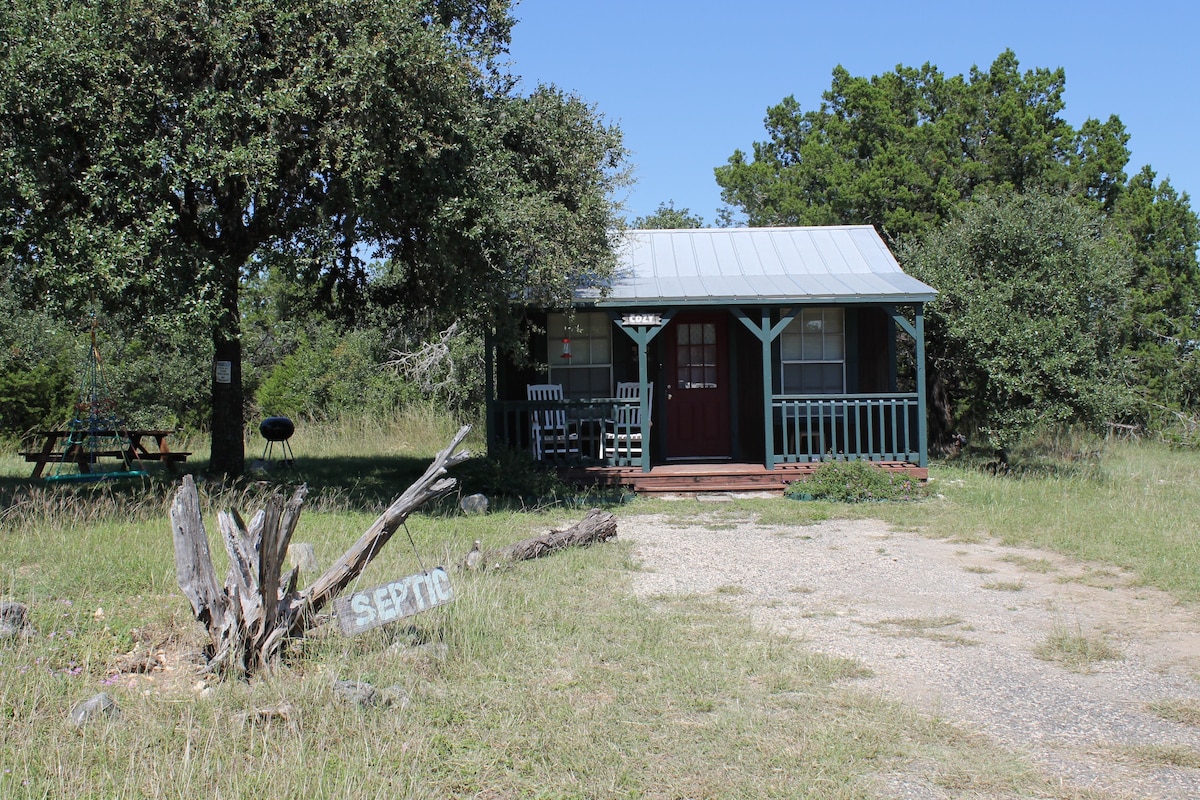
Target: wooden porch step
column 712, row 477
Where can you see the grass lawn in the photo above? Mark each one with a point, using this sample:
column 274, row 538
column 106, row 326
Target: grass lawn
column 554, row 682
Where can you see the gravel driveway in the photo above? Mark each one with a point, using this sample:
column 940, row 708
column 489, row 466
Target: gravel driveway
column 952, row 628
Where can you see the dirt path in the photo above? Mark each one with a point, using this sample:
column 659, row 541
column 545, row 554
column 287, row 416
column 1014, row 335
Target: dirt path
column 953, row 627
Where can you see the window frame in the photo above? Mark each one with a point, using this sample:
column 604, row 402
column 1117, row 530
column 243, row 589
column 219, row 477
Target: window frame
column 793, row 338
column 597, row 327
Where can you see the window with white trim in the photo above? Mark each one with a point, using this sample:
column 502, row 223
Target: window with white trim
column 580, row 354
column 812, row 351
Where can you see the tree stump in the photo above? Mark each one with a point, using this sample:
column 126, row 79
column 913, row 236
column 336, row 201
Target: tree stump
column 258, row 608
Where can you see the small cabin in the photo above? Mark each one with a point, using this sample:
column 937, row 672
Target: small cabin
column 723, row 359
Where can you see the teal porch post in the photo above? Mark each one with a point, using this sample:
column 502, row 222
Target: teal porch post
column 767, row 334
column 916, row 329
column 642, row 335
column 764, row 337
column 922, row 413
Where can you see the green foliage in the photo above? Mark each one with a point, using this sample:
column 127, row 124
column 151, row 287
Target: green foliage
column 37, row 397
column 37, row 369
column 156, row 154
column 1026, row 324
column 901, row 150
column 854, row 482
column 1163, row 327
column 333, row 374
column 159, row 374
column 905, row 150
column 668, row 217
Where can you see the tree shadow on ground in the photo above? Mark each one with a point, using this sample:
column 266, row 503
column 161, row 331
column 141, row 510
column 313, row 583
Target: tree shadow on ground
column 366, row 484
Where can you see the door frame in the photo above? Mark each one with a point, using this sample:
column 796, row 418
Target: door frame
column 675, row 446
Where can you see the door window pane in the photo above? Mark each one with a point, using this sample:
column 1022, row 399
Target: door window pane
column 696, row 355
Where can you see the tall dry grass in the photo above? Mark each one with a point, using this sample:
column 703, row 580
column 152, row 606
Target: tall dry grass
column 1133, row 505
column 549, row 679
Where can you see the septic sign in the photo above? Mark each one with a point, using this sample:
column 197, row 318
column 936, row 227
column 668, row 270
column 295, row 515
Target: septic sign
column 371, row 608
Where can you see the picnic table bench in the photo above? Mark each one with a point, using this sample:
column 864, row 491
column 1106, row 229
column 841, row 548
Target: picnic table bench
column 56, row 447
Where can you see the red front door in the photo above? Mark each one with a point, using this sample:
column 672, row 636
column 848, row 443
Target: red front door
column 697, row 367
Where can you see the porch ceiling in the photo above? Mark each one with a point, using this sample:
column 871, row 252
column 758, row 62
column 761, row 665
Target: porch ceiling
column 730, row 266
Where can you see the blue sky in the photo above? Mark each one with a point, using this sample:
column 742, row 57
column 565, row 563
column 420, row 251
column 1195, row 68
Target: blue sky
column 690, row 82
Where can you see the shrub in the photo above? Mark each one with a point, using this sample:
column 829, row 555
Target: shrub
column 332, row 374
column 855, row 482
column 34, row 398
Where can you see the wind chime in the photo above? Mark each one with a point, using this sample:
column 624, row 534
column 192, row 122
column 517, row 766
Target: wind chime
column 95, row 430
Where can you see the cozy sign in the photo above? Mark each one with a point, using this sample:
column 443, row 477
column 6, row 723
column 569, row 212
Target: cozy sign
column 370, row 608
column 651, row 318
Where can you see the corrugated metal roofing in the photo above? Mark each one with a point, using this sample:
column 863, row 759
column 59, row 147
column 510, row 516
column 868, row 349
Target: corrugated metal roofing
column 846, row 264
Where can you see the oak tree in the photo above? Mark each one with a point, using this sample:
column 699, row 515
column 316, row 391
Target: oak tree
column 156, row 151
column 1025, row 329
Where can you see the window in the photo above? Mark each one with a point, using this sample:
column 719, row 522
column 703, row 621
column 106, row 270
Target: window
column 813, row 352
column 696, row 355
column 587, row 371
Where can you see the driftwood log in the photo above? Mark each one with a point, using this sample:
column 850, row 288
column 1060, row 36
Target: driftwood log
column 258, row 608
column 597, row 526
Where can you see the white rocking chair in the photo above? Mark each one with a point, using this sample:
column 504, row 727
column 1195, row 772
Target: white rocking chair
column 548, row 428
column 623, row 433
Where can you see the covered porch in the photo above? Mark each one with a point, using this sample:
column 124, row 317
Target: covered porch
column 725, row 360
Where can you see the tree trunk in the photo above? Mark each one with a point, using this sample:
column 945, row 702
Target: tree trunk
column 597, row 526
column 258, row 608
column 228, row 453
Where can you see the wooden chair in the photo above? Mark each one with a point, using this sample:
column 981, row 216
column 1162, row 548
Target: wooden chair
column 623, row 433
column 549, row 430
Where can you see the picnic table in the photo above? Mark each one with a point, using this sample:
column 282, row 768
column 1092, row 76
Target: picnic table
column 63, row 445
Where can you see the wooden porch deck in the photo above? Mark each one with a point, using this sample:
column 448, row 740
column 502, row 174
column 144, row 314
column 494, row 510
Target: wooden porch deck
column 711, row 477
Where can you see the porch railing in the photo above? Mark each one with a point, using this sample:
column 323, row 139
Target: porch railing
column 866, row 427
column 871, row 427
column 591, row 434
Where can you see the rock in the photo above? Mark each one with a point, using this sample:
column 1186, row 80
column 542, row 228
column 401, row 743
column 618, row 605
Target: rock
column 99, row 706
column 14, row 620
column 474, row 504
column 364, row 695
column 356, row 693
column 474, row 559
column 264, row 716
column 414, row 649
column 138, row 661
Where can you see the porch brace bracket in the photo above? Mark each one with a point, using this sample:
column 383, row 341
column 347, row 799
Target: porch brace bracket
column 766, row 334
column 916, row 329
column 642, row 335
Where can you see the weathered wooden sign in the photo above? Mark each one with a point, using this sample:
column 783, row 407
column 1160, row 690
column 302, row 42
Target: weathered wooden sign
column 645, row 318
column 371, row 608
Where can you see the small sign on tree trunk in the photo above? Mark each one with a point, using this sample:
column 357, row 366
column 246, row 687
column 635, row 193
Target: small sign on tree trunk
column 371, row 608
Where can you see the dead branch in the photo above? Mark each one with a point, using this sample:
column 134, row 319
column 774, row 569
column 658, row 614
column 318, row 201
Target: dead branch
column 597, row 526
column 258, row 608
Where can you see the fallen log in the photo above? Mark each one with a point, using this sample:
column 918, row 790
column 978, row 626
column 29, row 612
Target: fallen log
column 597, row 526
column 258, row 608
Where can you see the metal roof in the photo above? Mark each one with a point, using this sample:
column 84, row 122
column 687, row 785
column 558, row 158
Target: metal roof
column 720, row 266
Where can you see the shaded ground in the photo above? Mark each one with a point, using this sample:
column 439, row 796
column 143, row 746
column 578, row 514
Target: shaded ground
column 952, row 628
